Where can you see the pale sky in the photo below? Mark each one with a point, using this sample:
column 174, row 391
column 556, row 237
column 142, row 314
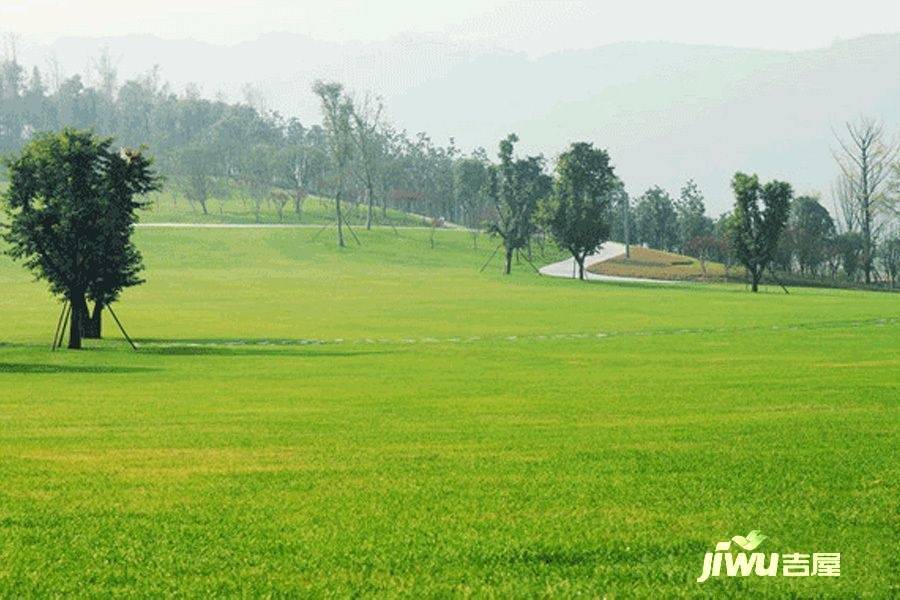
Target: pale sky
column 536, row 27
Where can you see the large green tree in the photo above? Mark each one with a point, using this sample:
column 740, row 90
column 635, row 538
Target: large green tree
column 577, row 211
column 195, row 173
column 759, row 217
column 517, row 185
column 470, row 186
column 810, row 227
column 656, row 220
column 850, row 248
column 889, row 256
column 71, row 206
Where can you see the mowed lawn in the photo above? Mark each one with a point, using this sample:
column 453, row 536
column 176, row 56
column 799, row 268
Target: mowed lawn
column 164, row 207
column 384, row 419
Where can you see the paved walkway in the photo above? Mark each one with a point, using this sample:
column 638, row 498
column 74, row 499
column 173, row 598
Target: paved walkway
column 608, row 250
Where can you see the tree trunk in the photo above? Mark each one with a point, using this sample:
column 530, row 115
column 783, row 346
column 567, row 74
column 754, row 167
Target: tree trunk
column 754, row 281
column 508, row 268
column 93, row 326
column 340, row 219
column 867, row 217
column 369, row 200
column 76, row 320
column 297, row 203
column 203, row 206
column 580, row 260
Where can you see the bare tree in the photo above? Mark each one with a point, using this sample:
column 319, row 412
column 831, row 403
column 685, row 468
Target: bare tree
column 866, row 159
column 337, row 111
column 56, row 73
column 366, row 136
column 255, row 98
column 844, row 206
column 103, row 70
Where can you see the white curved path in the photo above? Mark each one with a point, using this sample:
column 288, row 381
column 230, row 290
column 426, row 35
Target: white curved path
column 608, row 250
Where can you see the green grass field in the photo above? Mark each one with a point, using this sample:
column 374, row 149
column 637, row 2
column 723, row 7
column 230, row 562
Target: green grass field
column 165, row 208
column 384, row 419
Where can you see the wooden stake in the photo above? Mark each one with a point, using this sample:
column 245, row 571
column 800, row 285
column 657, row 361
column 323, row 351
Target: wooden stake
column 778, row 281
column 536, row 270
column 122, row 329
column 62, row 315
column 490, row 258
column 65, row 325
column 324, row 227
column 353, row 233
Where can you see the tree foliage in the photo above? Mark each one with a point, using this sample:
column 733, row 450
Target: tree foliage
column 577, row 213
column 516, row 186
column 691, row 215
column 810, row 227
column 337, row 115
column 656, row 220
column 760, row 214
column 71, row 204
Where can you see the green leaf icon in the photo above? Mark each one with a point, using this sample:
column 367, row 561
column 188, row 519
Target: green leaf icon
column 749, row 543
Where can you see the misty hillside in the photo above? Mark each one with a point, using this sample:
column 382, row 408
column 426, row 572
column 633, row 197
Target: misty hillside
column 666, row 112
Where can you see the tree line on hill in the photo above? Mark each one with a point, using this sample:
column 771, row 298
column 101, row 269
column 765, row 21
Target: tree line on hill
column 211, row 149
column 214, row 151
column 72, row 200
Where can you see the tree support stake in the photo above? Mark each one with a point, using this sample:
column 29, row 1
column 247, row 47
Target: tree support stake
column 122, row 329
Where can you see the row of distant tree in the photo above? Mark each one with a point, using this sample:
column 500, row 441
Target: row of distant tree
column 812, row 244
column 211, row 151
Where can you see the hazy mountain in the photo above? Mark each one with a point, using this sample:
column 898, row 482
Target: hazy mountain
column 666, row 112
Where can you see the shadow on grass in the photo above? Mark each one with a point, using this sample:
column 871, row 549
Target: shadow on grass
column 37, row 368
column 248, row 347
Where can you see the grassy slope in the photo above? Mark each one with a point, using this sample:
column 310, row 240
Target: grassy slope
column 167, row 209
column 538, row 458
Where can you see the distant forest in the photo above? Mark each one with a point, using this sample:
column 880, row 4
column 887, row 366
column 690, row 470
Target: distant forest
column 212, row 150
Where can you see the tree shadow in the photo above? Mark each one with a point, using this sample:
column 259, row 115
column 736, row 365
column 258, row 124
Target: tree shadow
column 38, row 368
column 235, row 342
column 249, row 347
